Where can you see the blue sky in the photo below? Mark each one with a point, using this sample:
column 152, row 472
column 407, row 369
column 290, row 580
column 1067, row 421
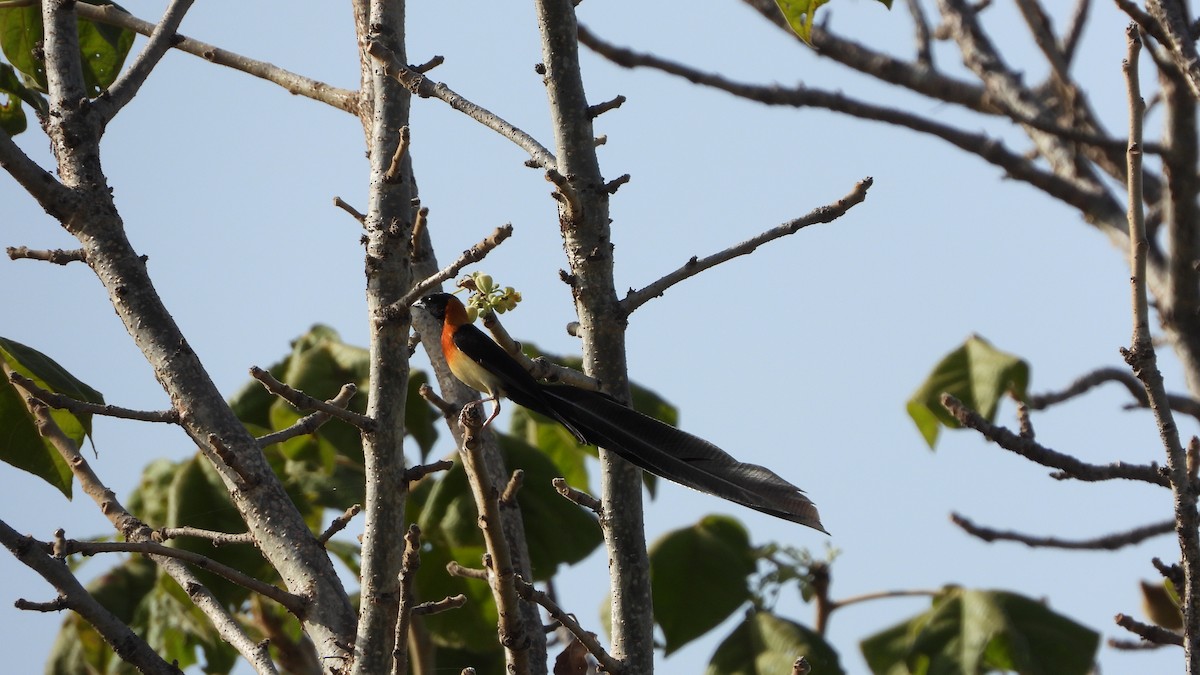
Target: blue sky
column 800, row 357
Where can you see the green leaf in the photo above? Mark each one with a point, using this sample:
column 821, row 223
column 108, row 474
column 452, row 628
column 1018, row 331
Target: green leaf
column 976, row 631
column 765, row 644
column 20, row 33
column 799, row 15
column 102, row 48
column 20, row 443
column 12, row 115
column 714, row 554
column 977, row 374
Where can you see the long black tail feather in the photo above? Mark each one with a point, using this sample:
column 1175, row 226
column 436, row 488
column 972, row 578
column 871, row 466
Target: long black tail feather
column 675, row 455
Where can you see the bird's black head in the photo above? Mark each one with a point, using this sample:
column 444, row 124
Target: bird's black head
column 436, row 304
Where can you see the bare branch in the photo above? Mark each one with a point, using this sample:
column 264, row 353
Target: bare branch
column 354, row 213
column 600, row 108
column 134, row 531
column 57, row 256
column 472, row 255
column 508, row 498
column 395, row 169
column 293, row 603
column 455, row 569
column 578, row 496
column 127, row 84
column 822, row 214
column 310, row 423
column 217, row 538
column 63, row 402
column 924, row 35
column 437, row 606
column 421, row 470
column 1086, row 196
column 1110, row 542
column 1172, row 16
column 422, row 86
column 1082, row 385
column 343, row 99
column 540, row 368
column 1142, row 359
column 73, row 595
column 1074, row 30
column 1147, row 632
column 340, row 523
column 882, row 595
column 607, row 663
column 59, row 201
column 499, row 557
column 408, row 570
column 305, row 402
column 429, row 65
column 1035, row 452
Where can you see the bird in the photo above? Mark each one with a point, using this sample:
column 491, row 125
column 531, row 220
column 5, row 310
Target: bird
column 596, row 418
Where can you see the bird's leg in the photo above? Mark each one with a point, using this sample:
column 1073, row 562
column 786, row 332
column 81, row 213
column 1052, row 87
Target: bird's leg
column 495, row 410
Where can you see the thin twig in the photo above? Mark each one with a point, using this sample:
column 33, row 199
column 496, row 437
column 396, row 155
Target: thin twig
column 293, row 603
column 135, row 530
column 303, row 401
column 578, row 496
column 73, row 595
column 1036, row 452
column 508, row 498
column 1154, row 634
column 342, row 99
column 421, row 470
column 456, row 569
column 429, row 65
column 472, row 255
column 607, row 663
column 694, row 266
column 924, row 37
column 1142, row 359
column 50, row 193
column 881, row 595
column 340, row 523
column 1110, row 542
column 408, row 570
column 499, row 556
column 422, row 86
column 129, row 82
column 437, row 606
column 1070, row 40
column 354, row 213
column 1085, row 195
column 217, row 538
column 540, row 368
column 311, row 422
column 1184, row 404
column 57, row 256
column 63, row 402
column 395, row 168
column 599, row 109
